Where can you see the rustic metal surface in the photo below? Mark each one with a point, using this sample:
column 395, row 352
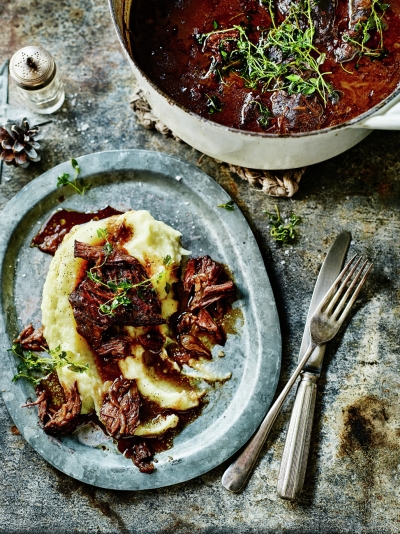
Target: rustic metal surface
column 352, row 481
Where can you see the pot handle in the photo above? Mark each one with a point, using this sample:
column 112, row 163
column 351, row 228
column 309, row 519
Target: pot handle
column 389, row 119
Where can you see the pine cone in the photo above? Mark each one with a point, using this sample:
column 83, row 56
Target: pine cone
column 19, row 143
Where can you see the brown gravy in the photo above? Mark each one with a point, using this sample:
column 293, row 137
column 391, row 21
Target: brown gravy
column 164, row 39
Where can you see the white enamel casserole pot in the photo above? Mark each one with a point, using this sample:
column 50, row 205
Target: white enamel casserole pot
column 250, row 149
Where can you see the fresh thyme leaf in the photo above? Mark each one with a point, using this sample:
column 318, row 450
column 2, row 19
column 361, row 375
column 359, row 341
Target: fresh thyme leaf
column 167, row 260
column 105, row 309
column 102, row 233
column 265, row 114
column 201, row 38
column 35, row 368
column 78, row 368
column 121, row 288
column 167, row 288
column 215, row 25
column 64, row 179
column 75, row 165
column 281, row 231
column 108, row 248
column 228, row 206
column 213, row 104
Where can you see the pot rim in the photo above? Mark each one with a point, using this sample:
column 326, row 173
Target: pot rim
column 170, row 100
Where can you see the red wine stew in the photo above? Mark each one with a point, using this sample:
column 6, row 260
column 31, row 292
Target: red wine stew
column 275, row 66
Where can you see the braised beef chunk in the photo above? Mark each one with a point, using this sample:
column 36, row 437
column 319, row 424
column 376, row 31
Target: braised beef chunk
column 117, row 347
column 61, row 421
column 323, row 14
column 193, row 344
column 89, row 252
column 31, row 339
column 200, row 272
column 152, row 341
column 206, row 285
column 141, row 308
column 296, row 112
column 207, row 323
column 205, row 279
column 120, row 409
column 142, row 456
column 213, row 293
column 86, row 301
column 359, row 13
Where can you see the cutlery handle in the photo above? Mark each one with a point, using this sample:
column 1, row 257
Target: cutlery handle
column 235, row 477
column 297, row 446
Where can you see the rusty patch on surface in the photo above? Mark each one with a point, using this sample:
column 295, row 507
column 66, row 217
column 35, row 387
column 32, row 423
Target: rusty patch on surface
column 14, row 431
column 366, row 427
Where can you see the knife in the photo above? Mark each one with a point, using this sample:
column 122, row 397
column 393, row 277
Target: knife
column 297, row 446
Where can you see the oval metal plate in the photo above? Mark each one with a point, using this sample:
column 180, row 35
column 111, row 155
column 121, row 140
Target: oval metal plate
column 184, row 197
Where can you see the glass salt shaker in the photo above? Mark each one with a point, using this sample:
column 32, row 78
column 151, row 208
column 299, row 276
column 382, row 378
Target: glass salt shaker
column 34, row 72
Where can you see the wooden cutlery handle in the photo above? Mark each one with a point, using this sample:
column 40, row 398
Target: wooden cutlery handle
column 295, row 454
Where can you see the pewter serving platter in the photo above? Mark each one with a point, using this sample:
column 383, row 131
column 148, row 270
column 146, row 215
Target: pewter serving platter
column 184, row 197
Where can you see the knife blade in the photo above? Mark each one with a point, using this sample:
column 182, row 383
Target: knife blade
column 297, row 446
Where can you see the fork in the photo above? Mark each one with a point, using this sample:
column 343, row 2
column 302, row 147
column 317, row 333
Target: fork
column 324, row 325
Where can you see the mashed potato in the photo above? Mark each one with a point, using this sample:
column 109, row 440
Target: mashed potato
column 150, row 241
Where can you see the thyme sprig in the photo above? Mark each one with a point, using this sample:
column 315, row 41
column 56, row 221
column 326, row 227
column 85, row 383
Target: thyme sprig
column 364, row 28
column 121, row 287
column 280, row 230
column 229, row 206
column 35, row 368
column 298, row 67
column 64, row 179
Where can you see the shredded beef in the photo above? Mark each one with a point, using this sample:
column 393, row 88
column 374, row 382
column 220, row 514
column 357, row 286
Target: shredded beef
column 142, row 456
column 204, row 278
column 152, row 341
column 213, row 293
column 120, row 409
column 296, row 112
column 62, row 421
column 117, row 347
column 31, row 339
column 206, row 322
column 193, row 344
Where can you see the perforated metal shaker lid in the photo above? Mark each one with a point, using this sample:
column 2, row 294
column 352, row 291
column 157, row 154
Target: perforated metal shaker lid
column 32, row 68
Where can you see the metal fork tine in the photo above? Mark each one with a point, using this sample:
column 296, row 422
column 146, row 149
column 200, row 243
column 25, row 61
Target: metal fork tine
column 332, row 290
column 355, row 295
column 343, row 285
column 349, row 289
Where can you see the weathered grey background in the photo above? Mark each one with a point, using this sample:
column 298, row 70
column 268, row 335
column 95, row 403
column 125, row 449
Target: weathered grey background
column 352, row 482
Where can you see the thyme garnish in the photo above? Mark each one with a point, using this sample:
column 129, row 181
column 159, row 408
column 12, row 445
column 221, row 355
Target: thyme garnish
column 121, row 287
column 35, row 368
column 374, row 22
column 283, row 231
column 64, row 179
column 227, row 206
column 298, row 67
column 213, row 104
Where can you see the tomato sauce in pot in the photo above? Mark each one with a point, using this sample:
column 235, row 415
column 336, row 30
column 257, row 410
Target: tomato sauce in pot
column 276, row 66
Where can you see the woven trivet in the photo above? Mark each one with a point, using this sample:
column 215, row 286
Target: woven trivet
column 273, row 183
